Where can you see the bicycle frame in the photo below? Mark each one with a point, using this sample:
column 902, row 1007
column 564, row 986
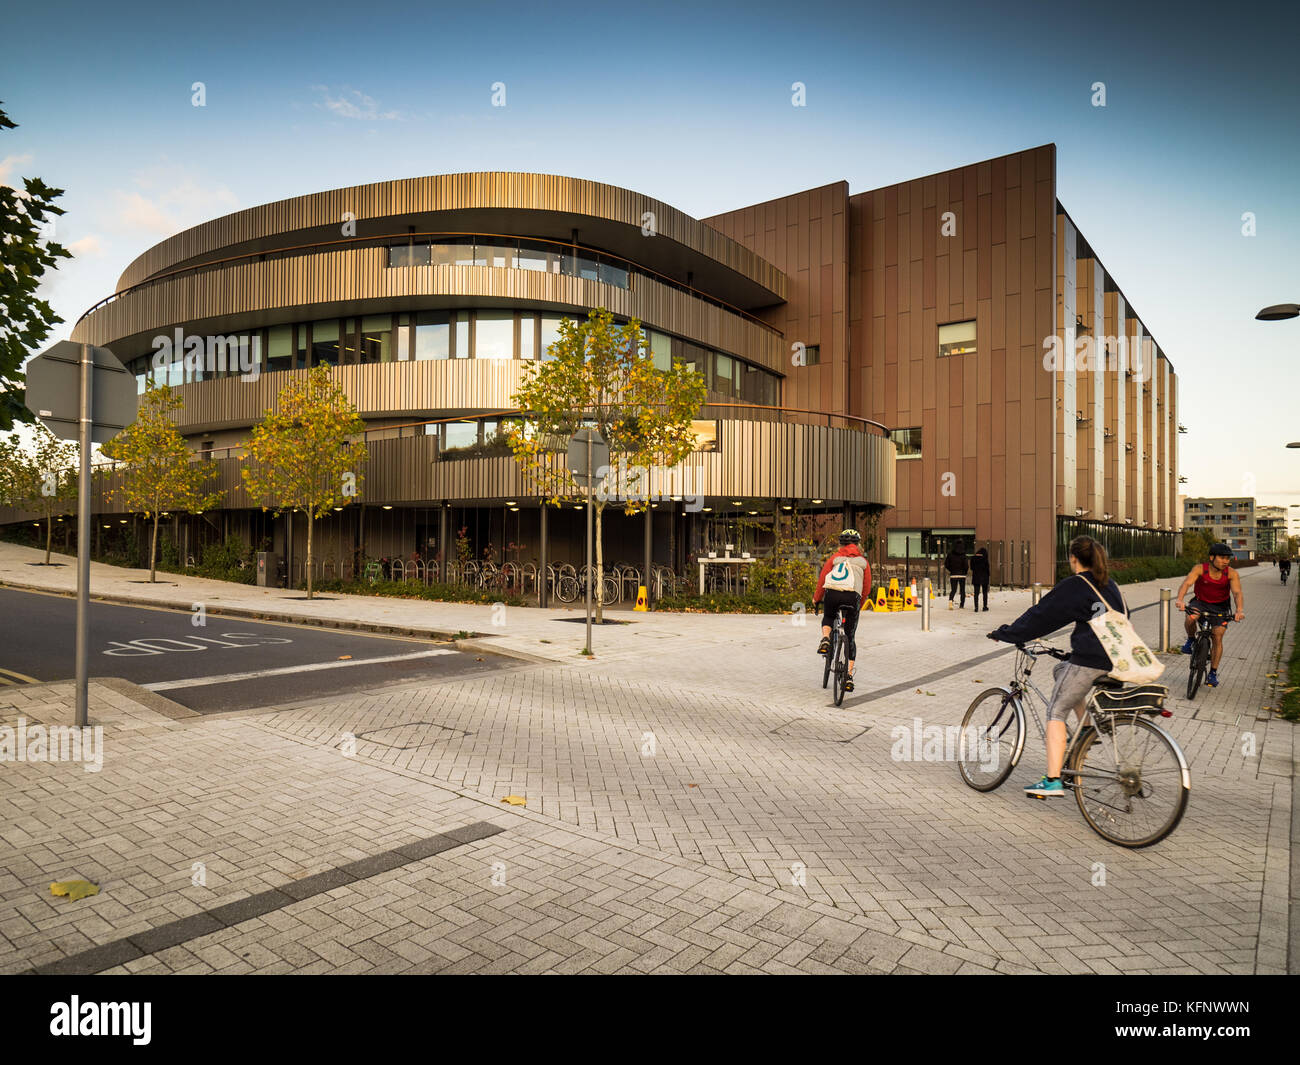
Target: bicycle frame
column 1023, row 691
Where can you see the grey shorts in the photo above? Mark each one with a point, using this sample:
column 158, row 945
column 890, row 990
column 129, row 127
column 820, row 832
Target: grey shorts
column 1073, row 683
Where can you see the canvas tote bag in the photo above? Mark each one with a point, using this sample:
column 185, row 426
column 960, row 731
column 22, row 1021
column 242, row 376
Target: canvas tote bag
column 1131, row 660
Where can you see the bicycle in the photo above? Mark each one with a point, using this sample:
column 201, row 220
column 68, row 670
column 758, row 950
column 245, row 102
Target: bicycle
column 837, row 659
column 1285, row 573
column 1202, row 646
column 1129, row 777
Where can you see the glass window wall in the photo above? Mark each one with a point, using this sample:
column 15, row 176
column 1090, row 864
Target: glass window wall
column 325, row 343
column 377, row 338
column 432, row 335
column 494, row 335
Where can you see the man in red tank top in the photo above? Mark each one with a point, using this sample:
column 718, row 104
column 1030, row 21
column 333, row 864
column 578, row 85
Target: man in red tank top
column 1216, row 587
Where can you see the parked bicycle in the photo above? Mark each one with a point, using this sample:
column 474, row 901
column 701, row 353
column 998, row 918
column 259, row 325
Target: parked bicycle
column 1129, row 776
column 1202, row 647
column 837, row 660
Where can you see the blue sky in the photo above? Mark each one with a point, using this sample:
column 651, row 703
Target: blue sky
column 690, row 103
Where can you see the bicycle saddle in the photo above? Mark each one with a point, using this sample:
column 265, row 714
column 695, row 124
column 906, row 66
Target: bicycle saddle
column 1108, row 683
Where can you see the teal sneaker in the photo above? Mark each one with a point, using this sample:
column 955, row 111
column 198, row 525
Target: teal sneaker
column 1213, row 679
column 1046, row 789
column 1187, row 647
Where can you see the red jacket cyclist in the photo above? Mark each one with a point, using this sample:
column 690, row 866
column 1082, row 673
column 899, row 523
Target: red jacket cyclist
column 844, row 580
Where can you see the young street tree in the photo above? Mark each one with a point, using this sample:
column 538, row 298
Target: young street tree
column 306, row 454
column 25, row 254
column 602, row 375
column 42, row 480
column 161, row 473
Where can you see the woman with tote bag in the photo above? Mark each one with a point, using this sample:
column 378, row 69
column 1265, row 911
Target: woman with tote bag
column 1076, row 599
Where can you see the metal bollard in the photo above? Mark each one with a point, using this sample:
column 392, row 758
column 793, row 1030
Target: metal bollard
column 1166, row 604
column 925, row 605
column 1038, row 591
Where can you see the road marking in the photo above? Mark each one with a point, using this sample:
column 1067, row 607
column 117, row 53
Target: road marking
column 227, row 678
column 22, row 678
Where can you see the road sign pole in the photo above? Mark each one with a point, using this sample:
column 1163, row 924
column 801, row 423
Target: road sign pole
column 589, row 544
column 83, row 537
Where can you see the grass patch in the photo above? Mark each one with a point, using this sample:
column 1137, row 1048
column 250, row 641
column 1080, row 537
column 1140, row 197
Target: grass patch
column 1290, row 705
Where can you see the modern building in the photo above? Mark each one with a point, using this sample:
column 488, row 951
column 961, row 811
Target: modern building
column 1231, row 520
column 1270, row 530
column 949, row 351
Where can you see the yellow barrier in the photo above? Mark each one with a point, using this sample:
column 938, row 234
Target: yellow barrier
column 641, row 603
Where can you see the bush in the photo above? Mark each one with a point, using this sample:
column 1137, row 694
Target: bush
column 1135, row 570
column 227, row 560
column 730, row 603
column 441, row 593
column 1290, row 706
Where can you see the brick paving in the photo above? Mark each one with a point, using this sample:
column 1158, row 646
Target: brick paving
column 694, row 805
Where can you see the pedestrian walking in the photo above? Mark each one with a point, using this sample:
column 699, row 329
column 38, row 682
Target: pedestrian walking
column 957, row 566
column 979, row 577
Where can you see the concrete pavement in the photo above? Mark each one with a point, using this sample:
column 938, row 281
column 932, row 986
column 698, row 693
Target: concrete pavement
column 693, row 804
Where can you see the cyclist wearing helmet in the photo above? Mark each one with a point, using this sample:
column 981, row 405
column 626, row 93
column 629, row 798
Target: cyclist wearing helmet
column 1212, row 585
column 844, row 580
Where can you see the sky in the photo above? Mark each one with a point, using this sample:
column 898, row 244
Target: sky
column 1185, row 182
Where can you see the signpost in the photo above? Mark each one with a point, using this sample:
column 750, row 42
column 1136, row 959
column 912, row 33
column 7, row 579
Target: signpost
column 82, row 393
column 588, row 452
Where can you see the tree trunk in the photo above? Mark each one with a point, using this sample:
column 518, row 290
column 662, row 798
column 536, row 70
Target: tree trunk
column 599, row 590
column 153, row 552
column 309, row 526
column 49, row 536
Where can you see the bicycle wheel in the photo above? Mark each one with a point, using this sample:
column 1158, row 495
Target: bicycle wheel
column 830, row 655
column 566, row 589
column 991, row 739
column 840, row 672
column 1132, row 782
column 1196, row 671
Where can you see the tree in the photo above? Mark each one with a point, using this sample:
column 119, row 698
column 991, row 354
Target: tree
column 305, row 454
column 25, row 255
column 602, row 375
column 1196, row 545
column 42, row 480
column 161, row 473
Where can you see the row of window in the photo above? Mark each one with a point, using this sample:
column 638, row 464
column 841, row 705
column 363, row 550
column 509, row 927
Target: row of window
column 514, row 254
column 468, row 438
column 421, row 335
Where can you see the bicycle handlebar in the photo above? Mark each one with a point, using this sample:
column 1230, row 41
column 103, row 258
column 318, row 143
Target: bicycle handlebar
column 1036, row 649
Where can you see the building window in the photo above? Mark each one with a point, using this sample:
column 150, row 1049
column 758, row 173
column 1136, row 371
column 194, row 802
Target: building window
column 377, row 338
column 661, row 349
column 706, row 435
column 279, row 348
column 409, row 255
column 528, row 336
column 432, row 335
column 812, row 355
column 494, row 335
column 550, row 332
column 460, row 332
column 903, row 543
column 325, row 343
column 957, row 338
column 907, row 442
column 459, row 435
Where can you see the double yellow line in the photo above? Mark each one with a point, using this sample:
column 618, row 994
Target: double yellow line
column 9, row 676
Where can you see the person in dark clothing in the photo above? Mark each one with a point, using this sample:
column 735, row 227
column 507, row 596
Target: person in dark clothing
column 979, row 577
column 1074, row 599
column 956, row 566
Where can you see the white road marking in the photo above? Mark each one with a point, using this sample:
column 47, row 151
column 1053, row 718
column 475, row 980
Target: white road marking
column 227, row 678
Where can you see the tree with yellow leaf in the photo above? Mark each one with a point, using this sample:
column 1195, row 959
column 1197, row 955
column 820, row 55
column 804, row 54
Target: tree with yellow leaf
column 602, row 376
column 42, row 480
column 308, row 454
column 161, row 474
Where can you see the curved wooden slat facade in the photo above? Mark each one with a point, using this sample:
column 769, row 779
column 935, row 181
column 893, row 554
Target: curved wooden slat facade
column 451, row 194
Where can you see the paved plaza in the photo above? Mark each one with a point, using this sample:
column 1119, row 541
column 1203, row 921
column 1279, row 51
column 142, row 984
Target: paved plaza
column 694, row 803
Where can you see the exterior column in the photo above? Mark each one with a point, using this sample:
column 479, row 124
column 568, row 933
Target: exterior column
column 442, row 542
column 543, row 591
column 645, row 573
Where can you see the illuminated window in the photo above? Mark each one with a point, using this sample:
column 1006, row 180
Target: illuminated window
column 957, row 338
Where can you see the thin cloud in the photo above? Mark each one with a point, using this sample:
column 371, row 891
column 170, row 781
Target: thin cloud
column 351, row 103
column 10, row 164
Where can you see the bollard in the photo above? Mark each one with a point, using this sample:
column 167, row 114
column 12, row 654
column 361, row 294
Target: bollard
column 1166, row 597
column 1038, row 591
column 925, row 605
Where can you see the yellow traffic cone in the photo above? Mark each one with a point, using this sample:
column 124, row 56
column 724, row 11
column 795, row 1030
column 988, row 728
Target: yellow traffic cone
column 881, row 603
column 641, row 599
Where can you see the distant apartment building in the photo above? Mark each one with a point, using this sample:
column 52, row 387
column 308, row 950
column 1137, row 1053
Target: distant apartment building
column 1231, row 520
column 1270, row 530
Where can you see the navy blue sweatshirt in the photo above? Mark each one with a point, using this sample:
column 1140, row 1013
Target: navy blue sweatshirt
column 1072, row 600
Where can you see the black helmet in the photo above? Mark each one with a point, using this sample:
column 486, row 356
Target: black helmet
column 850, row 536
column 1221, row 549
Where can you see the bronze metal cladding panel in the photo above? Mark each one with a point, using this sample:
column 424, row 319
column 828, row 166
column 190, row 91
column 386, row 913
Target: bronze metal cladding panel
column 357, row 281
column 807, row 237
column 454, row 192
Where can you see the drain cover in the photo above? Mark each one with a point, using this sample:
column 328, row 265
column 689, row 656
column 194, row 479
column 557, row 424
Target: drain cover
column 414, row 734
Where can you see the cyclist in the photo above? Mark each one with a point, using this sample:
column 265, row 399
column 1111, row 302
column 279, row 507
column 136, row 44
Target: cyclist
column 1072, row 600
column 844, row 580
column 1285, row 566
column 1212, row 585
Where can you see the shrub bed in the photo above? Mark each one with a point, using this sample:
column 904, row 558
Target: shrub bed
column 723, row 603
column 441, row 593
